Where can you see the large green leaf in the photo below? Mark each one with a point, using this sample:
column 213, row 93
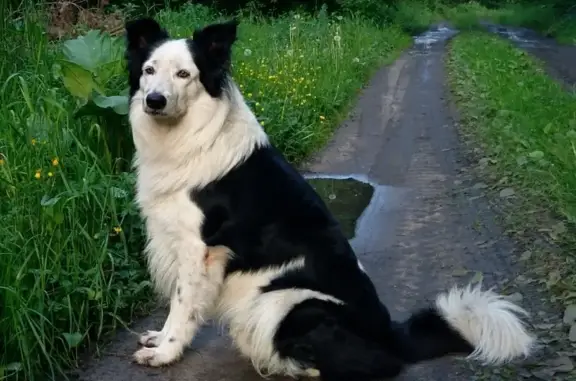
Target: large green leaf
column 118, row 103
column 73, row 339
column 96, row 52
column 104, row 106
column 77, row 80
column 108, row 70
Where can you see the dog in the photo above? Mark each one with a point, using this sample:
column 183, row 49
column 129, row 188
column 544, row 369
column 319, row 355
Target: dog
column 235, row 232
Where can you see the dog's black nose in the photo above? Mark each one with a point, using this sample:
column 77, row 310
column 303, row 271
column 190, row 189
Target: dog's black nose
column 156, row 101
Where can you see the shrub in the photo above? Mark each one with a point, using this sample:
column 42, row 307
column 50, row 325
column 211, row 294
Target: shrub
column 415, row 16
column 376, row 10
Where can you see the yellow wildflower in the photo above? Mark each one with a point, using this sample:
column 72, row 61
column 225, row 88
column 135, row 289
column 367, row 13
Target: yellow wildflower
column 117, row 229
column 55, row 161
column 50, row 174
column 33, row 141
column 322, row 117
column 38, row 174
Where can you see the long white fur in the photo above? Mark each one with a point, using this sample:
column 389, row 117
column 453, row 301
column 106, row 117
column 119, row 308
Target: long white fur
column 487, row 321
column 254, row 317
column 199, row 140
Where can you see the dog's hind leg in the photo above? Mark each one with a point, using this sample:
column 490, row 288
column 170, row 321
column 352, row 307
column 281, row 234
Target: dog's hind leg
column 333, row 342
column 187, row 310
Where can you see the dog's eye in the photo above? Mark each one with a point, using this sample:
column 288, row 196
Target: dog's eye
column 149, row 70
column 183, row 74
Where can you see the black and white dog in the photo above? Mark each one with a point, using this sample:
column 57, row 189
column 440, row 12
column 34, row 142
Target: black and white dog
column 296, row 300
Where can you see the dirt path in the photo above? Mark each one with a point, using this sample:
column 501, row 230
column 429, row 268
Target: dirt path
column 427, row 227
column 560, row 60
column 423, row 231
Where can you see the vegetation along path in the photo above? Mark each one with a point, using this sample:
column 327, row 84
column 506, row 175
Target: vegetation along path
column 425, row 226
column 560, row 59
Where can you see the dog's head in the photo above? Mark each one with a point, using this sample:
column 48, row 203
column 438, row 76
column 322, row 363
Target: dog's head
column 167, row 74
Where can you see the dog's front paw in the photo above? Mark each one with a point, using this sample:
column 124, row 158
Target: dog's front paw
column 151, row 338
column 155, row 357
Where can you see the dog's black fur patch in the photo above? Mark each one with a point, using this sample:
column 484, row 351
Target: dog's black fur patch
column 211, row 48
column 142, row 36
column 336, row 340
column 267, row 214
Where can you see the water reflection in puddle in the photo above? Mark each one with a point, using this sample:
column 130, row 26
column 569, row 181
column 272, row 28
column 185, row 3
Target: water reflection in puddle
column 346, row 198
column 366, row 210
column 434, row 35
column 524, row 38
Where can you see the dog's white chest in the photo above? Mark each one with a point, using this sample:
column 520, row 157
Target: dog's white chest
column 173, row 223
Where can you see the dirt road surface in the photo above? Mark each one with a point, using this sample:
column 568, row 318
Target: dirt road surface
column 424, row 230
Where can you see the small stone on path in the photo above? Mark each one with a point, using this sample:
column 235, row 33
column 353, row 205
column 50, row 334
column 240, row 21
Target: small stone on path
column 570, row 314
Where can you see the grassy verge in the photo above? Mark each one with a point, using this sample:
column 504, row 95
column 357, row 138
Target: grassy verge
column 542, row 18
column 70, row 237
column 523, row 126
column 466, row 16
column 415, row 16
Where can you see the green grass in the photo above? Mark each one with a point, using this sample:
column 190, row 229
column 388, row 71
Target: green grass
column 415, row 16
column 525, row 125
column 465, row 16
column 542, row 18
column 71, row 269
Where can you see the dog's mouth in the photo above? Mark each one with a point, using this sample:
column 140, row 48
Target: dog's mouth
column 155, row 113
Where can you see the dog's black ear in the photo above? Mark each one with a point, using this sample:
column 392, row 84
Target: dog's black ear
column 216, row 39
column 141, row 36
column 143, row 33
column 212, row 47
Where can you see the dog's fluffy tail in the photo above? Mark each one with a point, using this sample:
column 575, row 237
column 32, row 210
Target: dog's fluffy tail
column 476, row 323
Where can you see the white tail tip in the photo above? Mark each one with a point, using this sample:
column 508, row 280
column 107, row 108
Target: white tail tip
column 488, row 322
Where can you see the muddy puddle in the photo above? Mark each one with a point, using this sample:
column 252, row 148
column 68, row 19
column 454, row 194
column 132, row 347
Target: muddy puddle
column 347, row 198
column 434, row 35
column 363, row 208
